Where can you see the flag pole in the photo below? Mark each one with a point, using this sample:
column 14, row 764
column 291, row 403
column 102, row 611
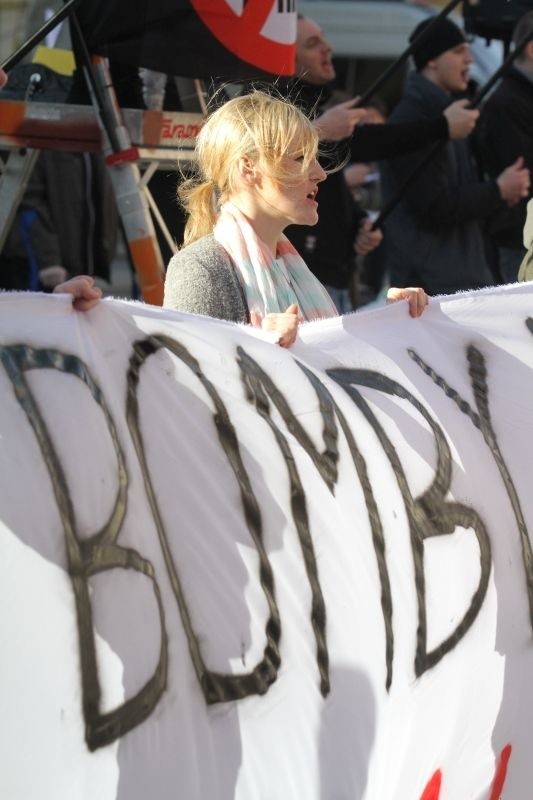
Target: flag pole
column 474, row 103
column 83, row 60
column 38, row 36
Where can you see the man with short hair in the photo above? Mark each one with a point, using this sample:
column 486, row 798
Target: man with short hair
column 328, row 248
column 435, row 236
column 505, row 133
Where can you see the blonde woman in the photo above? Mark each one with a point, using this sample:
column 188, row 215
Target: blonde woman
column 257, row 173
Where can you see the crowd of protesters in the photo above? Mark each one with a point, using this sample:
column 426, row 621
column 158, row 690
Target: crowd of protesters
column 441, row 235
column 459, row 224
column 343, row 229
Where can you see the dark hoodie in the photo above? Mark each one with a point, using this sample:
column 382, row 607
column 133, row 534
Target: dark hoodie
column 435, row 236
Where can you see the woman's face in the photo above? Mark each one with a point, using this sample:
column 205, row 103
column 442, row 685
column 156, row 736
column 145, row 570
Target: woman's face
column 293, row 199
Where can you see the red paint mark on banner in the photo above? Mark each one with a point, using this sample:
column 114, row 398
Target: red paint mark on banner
column 501, row 773
column 242, row 33
column 432, row 790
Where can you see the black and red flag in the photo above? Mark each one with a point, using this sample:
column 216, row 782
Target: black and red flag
column 232, row 39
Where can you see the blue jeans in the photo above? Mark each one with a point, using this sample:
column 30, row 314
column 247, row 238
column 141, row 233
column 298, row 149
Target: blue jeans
column 510, row 259
column 341, row 298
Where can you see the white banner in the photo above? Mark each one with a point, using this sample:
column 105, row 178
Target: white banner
column 229, row 570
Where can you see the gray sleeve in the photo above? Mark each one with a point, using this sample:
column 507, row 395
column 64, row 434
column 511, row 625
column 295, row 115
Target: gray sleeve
column 201, row 280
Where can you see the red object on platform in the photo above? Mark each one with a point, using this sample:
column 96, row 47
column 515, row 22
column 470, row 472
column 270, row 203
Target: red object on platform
column 123, row 156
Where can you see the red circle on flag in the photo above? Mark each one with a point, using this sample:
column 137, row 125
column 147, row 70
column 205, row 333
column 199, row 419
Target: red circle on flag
column 242, row 35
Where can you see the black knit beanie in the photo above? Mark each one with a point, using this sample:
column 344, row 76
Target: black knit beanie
column 444, row 35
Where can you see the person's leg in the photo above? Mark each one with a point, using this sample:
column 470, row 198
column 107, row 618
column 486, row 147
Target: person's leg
column 510, row 259
column 341, row 298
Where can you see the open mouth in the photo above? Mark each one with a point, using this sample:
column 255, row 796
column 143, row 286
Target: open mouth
column 312, row 195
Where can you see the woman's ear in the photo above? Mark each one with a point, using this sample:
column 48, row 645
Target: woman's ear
column 246, row 169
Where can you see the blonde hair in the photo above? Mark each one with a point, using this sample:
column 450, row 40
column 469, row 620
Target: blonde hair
column 259, row 126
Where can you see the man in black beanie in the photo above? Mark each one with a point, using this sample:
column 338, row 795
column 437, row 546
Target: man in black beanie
column 436, row 235
column 445, row 35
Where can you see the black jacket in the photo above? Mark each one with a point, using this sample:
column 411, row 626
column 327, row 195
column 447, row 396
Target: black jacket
column 504, row 132
column 67, row 217
column 435, row 235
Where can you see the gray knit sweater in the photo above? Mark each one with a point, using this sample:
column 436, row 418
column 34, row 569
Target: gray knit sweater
column 201, row 279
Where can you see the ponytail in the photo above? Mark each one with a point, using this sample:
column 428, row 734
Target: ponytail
column 199, row 201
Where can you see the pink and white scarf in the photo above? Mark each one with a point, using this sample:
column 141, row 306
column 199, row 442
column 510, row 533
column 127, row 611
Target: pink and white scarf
column 270, row 284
